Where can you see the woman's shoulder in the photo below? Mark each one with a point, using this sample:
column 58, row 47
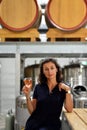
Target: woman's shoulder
column 64, row 83
column 39, row 85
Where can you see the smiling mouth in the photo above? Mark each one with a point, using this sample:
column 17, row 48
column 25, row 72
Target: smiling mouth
column 50, row 75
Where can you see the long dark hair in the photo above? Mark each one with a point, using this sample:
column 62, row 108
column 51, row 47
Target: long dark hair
column 42, row 77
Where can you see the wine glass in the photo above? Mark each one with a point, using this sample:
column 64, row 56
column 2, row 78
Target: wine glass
column 27, row 80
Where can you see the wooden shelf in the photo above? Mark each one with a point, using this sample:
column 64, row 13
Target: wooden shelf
column 32, row 34
column 79, row 35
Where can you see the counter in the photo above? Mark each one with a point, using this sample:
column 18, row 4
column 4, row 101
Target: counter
column 77, row 120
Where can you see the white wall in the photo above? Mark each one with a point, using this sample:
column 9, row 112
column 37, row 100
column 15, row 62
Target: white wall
column 7, row 84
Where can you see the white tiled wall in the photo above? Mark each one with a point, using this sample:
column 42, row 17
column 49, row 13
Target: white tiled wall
column 7, row 84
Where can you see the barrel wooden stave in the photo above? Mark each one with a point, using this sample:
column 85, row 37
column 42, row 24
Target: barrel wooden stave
column 19, row 15
column 66, row 14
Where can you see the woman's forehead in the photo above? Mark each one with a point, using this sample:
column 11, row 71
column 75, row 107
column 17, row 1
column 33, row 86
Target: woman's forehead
column 49, row 64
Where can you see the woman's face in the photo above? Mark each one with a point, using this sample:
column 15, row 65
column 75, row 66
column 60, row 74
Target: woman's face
column 49, row 70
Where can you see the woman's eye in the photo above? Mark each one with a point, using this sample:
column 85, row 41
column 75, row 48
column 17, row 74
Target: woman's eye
column 46, row 69
column 52, row 68
column 49, row 69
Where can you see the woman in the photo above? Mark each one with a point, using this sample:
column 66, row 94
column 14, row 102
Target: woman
column 48, row 98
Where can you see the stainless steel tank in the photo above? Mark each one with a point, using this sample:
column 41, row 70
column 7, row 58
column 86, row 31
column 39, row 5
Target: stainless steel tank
column 9, row 120
column 80, row 102
column 79, row 96
column 22, row 113
column 75, row 74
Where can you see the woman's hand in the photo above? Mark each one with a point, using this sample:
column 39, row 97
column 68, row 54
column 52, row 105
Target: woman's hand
column 68, row 103
column 64, row 87
column 31, row 103
column 27, row 87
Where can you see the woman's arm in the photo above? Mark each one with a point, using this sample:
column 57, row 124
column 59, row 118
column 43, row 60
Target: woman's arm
column 31, row 103
column 68, row 103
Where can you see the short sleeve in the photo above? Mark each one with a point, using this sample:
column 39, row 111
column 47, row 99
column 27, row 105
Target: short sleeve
column 35, row 93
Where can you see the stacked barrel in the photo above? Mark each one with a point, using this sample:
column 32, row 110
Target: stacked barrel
column 19, row 15
column 67, row 15
column 63, row 15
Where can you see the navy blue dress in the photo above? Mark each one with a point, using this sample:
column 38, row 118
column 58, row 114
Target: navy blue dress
column 48, row 109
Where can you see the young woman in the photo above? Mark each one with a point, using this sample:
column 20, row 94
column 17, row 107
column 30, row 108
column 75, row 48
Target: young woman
column 50, row 95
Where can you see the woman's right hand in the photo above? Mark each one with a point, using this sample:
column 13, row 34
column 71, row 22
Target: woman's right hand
column 31, row 104
column 27, row 88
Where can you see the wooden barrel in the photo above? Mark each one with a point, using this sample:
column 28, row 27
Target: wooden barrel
column 19, row 15
column 66, row 15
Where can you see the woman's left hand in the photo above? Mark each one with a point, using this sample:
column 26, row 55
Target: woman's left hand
column 64, row 87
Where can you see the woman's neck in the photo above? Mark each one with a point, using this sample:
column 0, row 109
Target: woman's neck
column 51, row 84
